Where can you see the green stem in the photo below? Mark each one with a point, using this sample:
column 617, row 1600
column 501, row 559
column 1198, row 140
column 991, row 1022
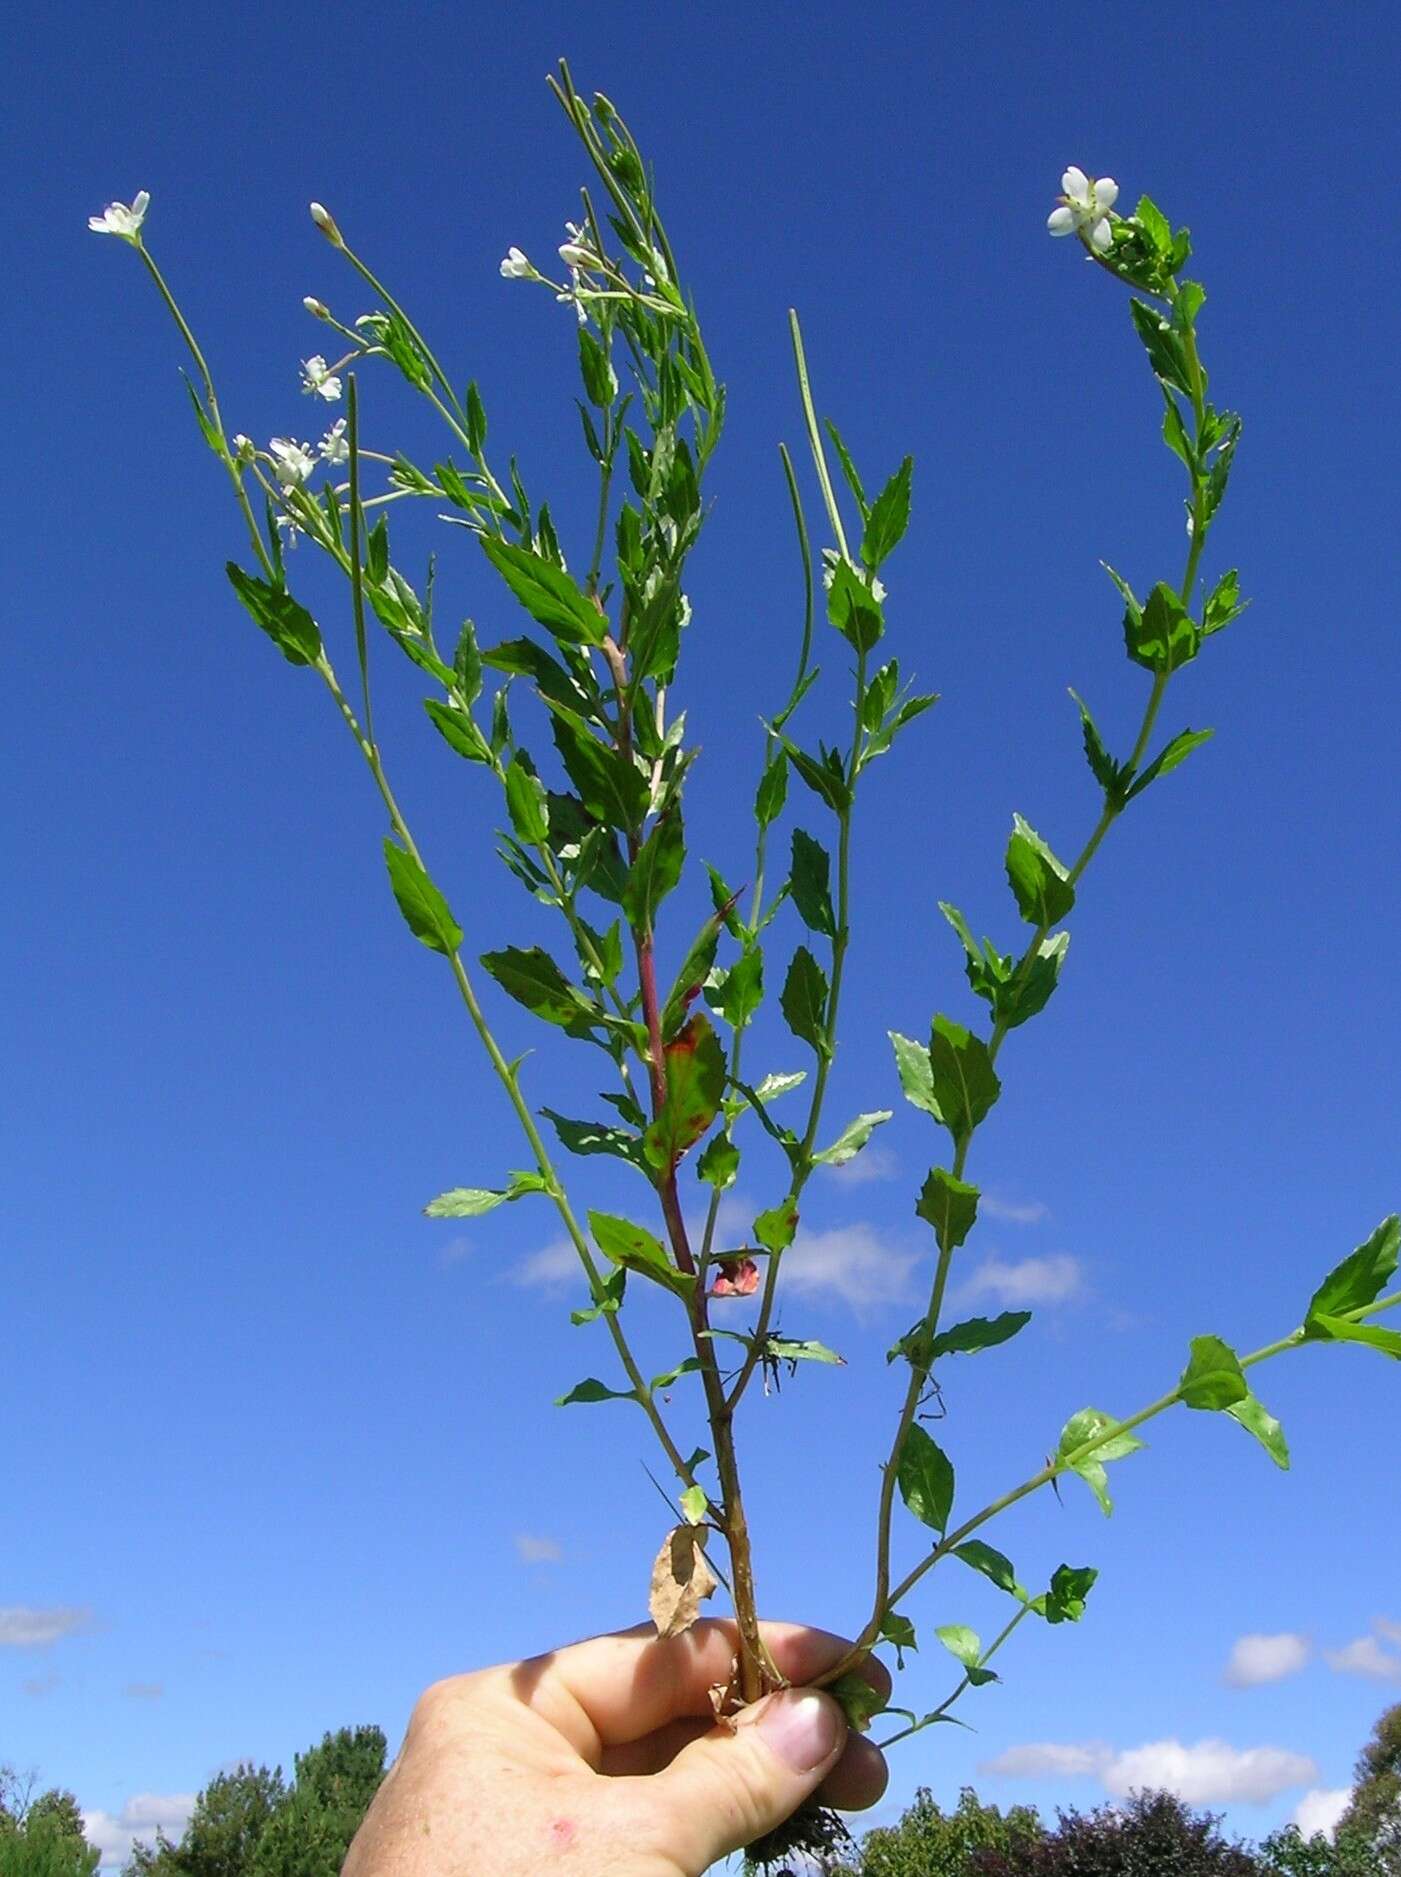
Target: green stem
column 963, row 1686
column 815, row 437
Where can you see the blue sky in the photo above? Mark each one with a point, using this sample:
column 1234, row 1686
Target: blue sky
column 281, row 1451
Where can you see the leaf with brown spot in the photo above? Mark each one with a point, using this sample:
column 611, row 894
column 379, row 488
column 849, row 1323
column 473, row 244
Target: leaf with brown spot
column 695, row 1082
column 681, row 1581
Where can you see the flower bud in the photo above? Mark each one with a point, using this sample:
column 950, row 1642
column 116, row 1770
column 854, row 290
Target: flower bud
column 326, row 222
column 317, row 308
column 574, row 256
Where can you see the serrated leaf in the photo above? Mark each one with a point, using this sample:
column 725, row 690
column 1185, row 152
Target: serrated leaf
column 889, row 517
column 783, row 1083
column 1370, row 1335
column 803, row 1000
column 1015, row 1003
column 852, row 1139
column 1040, row 883
column 772, row 791
column 591, row 1389
column 1064, row 1602
column 1162, row 637
column 608, row 1297
column 1213, row 1378
column 775, row 1229
column 719, row 1164
column 1256, row 1419
column 848, row 467
column 596, row 1137
column 423, row 906
column 1105, row 770
column 737, row 993
column 965, row 1084
column 1362, row 1275
column 610, row 786
column 916, row 1073
column 977, row 1333
column 457, row 730
column 854, row 609
column 784, row 1349
column 551, row 597
column 634, row 1248
column 1169, row 757
column 290, row 627
column 949, row 1205
column 924, row 1474
column 810, row 884
column 470, row 1202
column 695, row 1085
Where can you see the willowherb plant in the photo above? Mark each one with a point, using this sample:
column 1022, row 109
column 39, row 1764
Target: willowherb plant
column 596, row 833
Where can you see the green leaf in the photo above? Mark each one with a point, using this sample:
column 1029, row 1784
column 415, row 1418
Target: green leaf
column 719, row 1164
column 1161, row 637
column 423, row 906
column 693, row 1504
column 737, row 993
column 773, row 1086
column 916, row 1073
column 600, row 382
column 852, row 1139
column 993, row 1565
column 857, row 1699
column 1344, row 1330
column 977, row 1333
column 1224, row 603
column 782, row 1349
column 609, row 784
column 551, row 597
column 608, row 1298
column 525, row 659
column 825, row 778
column 853, row 608
column 1155, row 225
column 1175, row 432
column 689, row 1366
column 961, row 1642
column 458, row 730
column 848, row 467
column 803, row 1000
column 534, row 979
column 949, row 1205
column 1213, row 1379
column 1064, row 1602
column 695, row 1084
column 1016, row 1003
column 634, row 1248
column 290, row 627
column 775, row 1229
column 1168, row 758
column 1090, row 1425
column 810, row 882
column 525, row 801
column 1166, row 352
column 593, row 1390
column 470, row 1202
column 924, row 1474
column 655, row 871
column 596, row 1137
column 965, row 1084
column 773, row 790
column 1256, row 1419
column 889, row 517
column 467, row 665
column 1039, row 882
column 1361, row 1277
column 692, row 977
column 899, row 1632
column 1103, row 767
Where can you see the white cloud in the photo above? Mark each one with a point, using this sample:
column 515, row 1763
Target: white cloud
column 1013, row 1212
column 1385, row 1627
column 27, row 1626
column 1320, row 1810
column 144, row 1690
column 854, row 1262
column 1052, row 1279
column 537, row 1550
column 1366, row 1657
column 141, row 1817
column 1256, row 1660
column 1211, row 1772
column 550, row 1268
column 872, row 1163
column 1047, row 1759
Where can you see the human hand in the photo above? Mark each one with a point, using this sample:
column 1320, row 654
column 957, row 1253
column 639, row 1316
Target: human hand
column 603, row 1760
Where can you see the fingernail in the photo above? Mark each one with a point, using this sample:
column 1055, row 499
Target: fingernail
column 801, row 1727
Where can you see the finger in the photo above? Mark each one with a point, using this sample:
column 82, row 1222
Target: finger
column 735, row 1783
column 614, row 1689
column 653, row 1751
column 859, row 1777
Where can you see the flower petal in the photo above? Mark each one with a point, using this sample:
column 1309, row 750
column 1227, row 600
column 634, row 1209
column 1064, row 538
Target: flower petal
column 1106, row 193
column 1076, row 184
column 1061, row 221
column 1102, row 237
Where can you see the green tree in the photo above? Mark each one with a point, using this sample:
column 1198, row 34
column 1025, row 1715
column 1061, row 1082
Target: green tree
column 41, row 1837
column 310, row 1833
column 224, row 1831
column 1374, row 1816
column 929, row 1842
column 1153, row 1835
column 1288, row 1853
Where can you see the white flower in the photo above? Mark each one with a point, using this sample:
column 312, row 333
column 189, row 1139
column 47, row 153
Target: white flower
column 575, row 257
column 1084, row 208
column 292, row 462
column 316, row 378
column 334, row 447
column 516, row 266
column 243, row 447
column 291, row 526
column 118, row 219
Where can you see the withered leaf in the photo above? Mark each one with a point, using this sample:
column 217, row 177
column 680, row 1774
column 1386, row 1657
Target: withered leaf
column 681, row 1580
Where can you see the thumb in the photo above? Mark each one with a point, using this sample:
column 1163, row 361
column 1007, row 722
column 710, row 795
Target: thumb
column 735, row 1783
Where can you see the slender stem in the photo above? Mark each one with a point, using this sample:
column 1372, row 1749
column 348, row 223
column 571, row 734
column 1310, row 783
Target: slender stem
column 963, row 1686
column 357, row 581
column 815, row 437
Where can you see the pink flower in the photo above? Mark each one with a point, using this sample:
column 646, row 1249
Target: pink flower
column 738, row 1277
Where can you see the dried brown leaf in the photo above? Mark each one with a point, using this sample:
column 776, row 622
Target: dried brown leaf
column 681, row 1580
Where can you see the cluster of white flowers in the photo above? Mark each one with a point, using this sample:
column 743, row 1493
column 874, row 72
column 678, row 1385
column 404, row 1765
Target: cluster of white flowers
column 292, row 462
column 318, row 380
column 577, row 256
column 516, row 266
column 1084, row 208
column 334, row 447
column 119, row 219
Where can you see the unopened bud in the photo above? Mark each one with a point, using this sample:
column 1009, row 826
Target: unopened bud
column 574, row 256
column 243, row 448
column 317, row 308
column 326, row 222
